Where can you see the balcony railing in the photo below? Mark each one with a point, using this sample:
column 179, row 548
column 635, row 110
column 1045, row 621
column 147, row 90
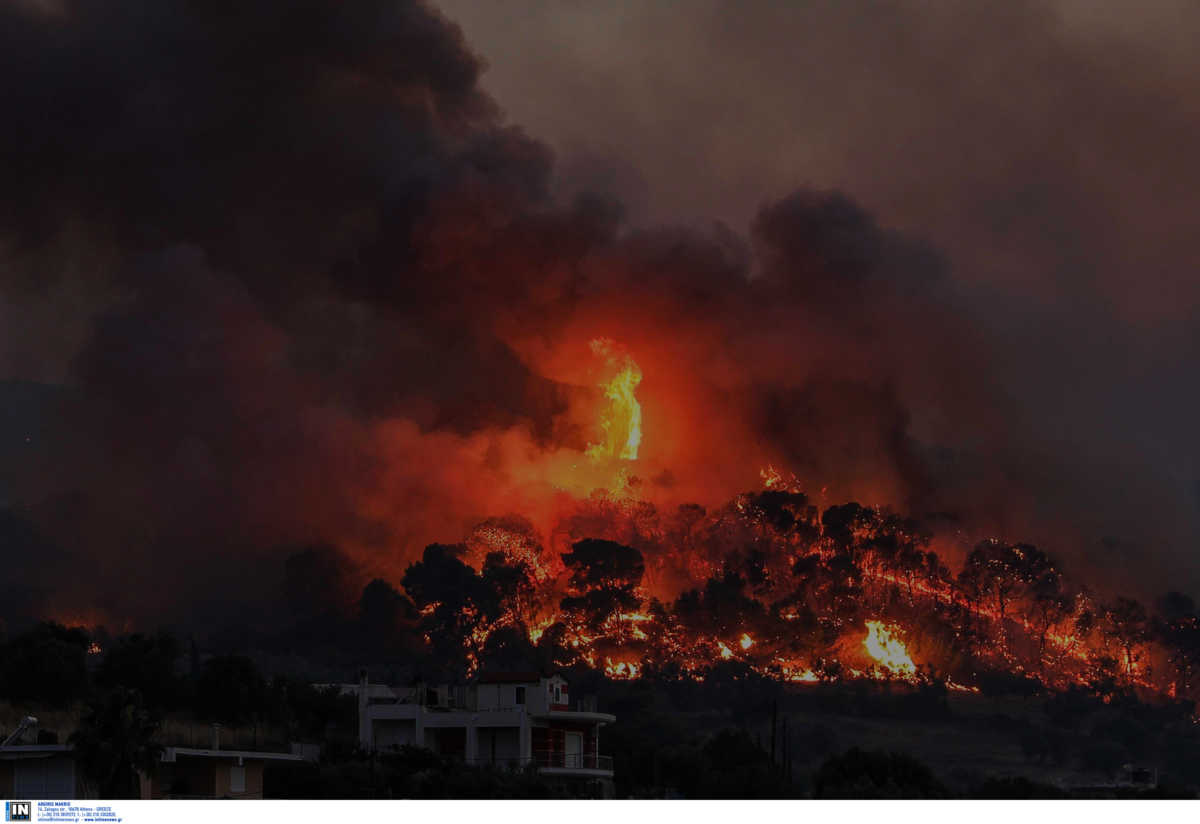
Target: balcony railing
column 572, row 761
column 551, row 760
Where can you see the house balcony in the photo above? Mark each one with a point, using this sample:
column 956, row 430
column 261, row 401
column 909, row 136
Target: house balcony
column 556, row 762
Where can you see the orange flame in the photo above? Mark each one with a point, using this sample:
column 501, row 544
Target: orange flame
column 888, row 650
column 622, row 420
column 620, row 669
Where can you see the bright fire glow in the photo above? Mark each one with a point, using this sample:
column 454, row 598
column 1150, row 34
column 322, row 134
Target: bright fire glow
column 746, row 641
column 621, row 421
column 620, row 669
column 882, row 644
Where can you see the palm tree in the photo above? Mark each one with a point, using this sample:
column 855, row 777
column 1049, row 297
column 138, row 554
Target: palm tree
column 115, row 742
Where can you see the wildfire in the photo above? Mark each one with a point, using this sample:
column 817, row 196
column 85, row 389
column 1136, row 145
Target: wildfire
column 800, row 676
column 888, row 650
column 620, row 669
column 774, row 480
column 814, row 576
column 538, row 630
column 622, row 420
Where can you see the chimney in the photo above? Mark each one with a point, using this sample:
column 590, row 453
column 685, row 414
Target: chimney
column 216, row 736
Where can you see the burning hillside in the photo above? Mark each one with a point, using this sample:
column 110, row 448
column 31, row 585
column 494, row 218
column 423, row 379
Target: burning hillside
column 771, row 583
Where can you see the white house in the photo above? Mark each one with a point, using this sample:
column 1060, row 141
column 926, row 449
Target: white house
column 510, row 719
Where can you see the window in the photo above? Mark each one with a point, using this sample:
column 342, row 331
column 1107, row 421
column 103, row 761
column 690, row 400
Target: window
column 557, row 694
column 237, row 779
column 520, row 696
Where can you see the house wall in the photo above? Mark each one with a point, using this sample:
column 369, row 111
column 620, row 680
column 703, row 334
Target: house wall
column 55, row 777
column 185, row 778
column 202, row 778
column 254, row 780
column 83, row 789
column 552, row 739
column 537, row 697
column 501, row 696
column 499, row 745
column 487, row 696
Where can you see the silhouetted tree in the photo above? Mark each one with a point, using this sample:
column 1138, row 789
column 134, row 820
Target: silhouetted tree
column 513, row 588
column 593, row 562
column 1125, row 621
column 867, row 774
column 846, row 526
column 1050, row 606
column 306, row 710
column 115, row 742
column 1178, row 627
column 832, row 585
column 145, row 663
column 453, row 601
column 230, row 690
column 1000, row 573
column 385, row 618
column 722, row 608
column 604, row 575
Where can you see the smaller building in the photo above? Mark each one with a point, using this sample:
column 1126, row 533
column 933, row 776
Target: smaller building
column 193, row 772
column 48, row 770
column 34, row 765
column 41, row 771
column 187, row 772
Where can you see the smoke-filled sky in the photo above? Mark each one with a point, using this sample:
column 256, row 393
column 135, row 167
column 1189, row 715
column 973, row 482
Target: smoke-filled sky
column 281, row 273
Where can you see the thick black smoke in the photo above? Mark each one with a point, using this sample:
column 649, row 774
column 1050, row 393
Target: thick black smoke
column 278, row 274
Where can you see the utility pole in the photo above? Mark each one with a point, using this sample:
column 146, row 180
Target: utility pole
column 787, row 751
column 774, row 726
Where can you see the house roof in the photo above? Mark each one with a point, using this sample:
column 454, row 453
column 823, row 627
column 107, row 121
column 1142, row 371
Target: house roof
column 172, row 753
column 373, row 690
column 33, row 750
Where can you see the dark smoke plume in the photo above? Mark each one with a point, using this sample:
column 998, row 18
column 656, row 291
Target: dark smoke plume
column 280, row 274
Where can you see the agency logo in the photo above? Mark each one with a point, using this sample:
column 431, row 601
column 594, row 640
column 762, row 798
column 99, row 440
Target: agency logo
column 17, row 810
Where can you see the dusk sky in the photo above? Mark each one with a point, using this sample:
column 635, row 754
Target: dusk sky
column 282, row 273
